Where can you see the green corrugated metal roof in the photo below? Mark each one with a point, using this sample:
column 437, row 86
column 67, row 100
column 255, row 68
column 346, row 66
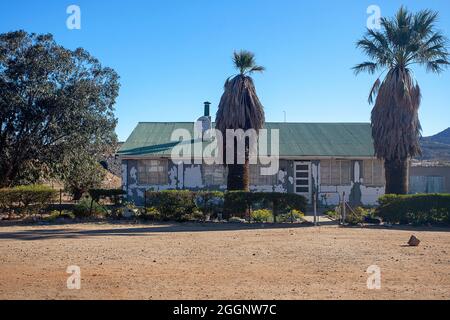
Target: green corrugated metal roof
column 296, row 139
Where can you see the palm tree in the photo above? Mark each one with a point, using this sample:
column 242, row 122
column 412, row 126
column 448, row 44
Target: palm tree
column 240, row 108
column 403, row 41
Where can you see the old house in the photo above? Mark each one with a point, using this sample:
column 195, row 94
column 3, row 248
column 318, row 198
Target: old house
column 429, row 177
column 331, row 160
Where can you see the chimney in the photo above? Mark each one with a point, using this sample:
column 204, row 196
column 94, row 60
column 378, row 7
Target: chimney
column 207, row 107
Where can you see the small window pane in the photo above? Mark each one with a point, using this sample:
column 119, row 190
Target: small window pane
column 302, row 174
column 152, row 172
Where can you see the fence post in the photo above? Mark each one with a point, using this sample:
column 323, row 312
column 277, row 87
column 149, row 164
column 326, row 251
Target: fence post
column 60, row 201
column 343, row 208
column 315, row 208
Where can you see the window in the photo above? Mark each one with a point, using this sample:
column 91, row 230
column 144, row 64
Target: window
column 335, row 172
column 257, row 179
column 152, row 172
column 214, row 175
column 373, row 173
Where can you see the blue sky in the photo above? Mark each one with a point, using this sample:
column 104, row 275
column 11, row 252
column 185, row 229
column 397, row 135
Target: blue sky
column 173, row 55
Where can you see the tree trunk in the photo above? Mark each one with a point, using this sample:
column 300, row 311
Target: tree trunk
column 238, row 177
column 239, row 174
column 397, row 176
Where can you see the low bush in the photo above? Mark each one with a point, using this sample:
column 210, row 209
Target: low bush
column 240, row 202
column 56, row 215
column 183, row 205
column 261, row 215
column 292, row 216
column 30, row 199
column 152, row 214
column 414, row 209
column 88, row 208
column 356, row 216
column 173, row 205
column 210, row 203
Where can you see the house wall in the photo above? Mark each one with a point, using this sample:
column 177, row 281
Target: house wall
column 190, row 177
column 429, row 180
column 357, row 193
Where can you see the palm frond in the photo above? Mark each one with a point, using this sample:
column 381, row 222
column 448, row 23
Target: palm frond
column 374, row 91
column 367, row 66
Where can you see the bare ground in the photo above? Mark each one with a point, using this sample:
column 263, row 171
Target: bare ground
column 193, row 261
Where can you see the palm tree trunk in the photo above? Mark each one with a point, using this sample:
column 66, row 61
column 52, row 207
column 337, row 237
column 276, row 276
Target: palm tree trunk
column 238, row 177
column 397, row 176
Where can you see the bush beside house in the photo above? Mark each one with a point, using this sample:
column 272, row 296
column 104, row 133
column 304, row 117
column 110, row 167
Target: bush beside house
column 31, row 199
column 415, row 209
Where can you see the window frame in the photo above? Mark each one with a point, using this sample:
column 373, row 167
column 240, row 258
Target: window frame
column 330, row 182
column 162, row 176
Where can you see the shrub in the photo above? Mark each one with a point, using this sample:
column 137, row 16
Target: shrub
column 114, row 195
column 240, row 202
column 333, row 213
column 55, row 215
column 292, row 216
column 88, row 208
column 152, row 214
column 356, row 216
column 262, row 215
column 415, row 209
column 210, row 203
column 174, row 205
column 26, row 199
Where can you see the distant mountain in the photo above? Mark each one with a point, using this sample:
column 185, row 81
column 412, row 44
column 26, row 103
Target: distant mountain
column 436, row 147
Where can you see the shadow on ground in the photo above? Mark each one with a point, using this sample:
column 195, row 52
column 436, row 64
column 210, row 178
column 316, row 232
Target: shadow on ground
column 43, row 232
column 140, row 230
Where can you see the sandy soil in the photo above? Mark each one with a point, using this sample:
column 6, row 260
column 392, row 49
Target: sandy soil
column 127, row 261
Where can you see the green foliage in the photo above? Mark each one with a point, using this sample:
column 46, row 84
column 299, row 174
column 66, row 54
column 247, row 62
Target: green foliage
column 84, row 210
column 152, row 214
column 182, row 205
column 114, row 195
column 292, row 216
column 55, row 215
column 261, row 215
column 209, row 202
column 240, row 202
column 415, row 209
column 356, row 216
column 173, row 205
column 80, row 172
column 55, row 103
column 332, row 213
column 26, row 199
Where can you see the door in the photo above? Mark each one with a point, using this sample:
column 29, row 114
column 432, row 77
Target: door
column 302, row 171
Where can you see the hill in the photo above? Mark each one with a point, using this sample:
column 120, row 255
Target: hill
column 436, row 147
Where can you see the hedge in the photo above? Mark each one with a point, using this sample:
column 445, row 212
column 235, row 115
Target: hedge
column 182, row 205
column 172, row 205
column 415, row 209
column 241, row 202
column 26, row 199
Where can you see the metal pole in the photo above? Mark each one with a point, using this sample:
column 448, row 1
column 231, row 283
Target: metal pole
column 60, row 201
column 315, row 208
column 343, row 208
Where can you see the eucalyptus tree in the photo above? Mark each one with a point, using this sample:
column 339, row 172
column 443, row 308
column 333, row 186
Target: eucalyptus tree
column 54, row 103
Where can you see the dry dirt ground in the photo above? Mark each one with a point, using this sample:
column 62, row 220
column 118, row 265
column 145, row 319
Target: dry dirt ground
column 194, row 261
